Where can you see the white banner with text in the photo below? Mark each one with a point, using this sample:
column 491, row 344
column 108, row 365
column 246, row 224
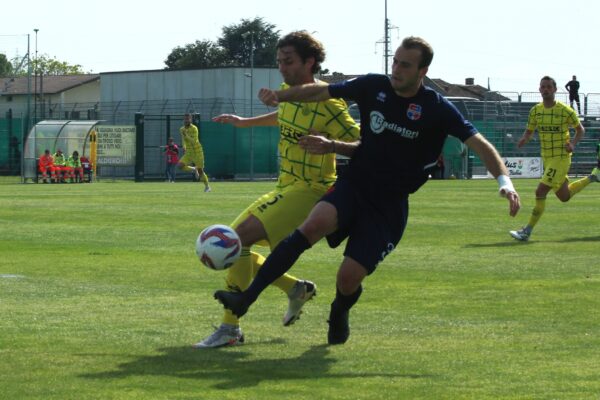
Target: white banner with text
column 116, row 145
column 523, row 167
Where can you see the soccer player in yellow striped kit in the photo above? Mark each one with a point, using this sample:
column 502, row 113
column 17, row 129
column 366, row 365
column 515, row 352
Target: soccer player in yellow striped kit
column 303, row 178
column 552, row 120
column 190, row 139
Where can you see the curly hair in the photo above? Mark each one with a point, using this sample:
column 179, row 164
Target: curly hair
column 306, row 46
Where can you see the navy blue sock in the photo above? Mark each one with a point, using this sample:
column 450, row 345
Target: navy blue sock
column 278, row 263
column 343, row 302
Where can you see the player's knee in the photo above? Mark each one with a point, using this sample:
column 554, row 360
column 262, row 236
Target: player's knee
column 348, row 282
column 314, row 229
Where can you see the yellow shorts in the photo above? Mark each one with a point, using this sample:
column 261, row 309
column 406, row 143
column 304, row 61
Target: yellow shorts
column 555, row 172
column 196, row 157
column 281, row 211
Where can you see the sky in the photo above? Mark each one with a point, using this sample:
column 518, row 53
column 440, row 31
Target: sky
column 511, row 43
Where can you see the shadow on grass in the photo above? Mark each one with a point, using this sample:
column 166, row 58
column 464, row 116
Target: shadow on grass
column 235, row 369
column 517, row 243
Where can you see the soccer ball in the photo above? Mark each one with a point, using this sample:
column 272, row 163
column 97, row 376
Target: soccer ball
column 218, row 247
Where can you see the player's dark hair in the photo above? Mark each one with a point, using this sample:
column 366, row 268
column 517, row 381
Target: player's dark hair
column 306, row 46
column 414, row 42
column 548, row 78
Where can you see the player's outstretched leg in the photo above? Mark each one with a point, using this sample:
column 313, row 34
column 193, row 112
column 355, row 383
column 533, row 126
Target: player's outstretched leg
column 236, row 302
column 302, row 292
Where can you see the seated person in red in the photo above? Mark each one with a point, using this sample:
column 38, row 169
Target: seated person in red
column 87, row 167
column 63, row 171
column 75, row 164
column 45, row 165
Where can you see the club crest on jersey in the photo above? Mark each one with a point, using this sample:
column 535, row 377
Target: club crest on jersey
column 381, row 97
column 414, row 111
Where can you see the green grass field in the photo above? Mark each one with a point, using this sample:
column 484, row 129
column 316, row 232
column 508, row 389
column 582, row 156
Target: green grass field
column 101, row 296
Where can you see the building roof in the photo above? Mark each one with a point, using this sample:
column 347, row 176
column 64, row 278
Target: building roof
column 468, row 90
column 442, row 87
column 50, row 84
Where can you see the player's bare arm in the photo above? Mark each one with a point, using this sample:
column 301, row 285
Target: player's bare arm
column 269, row 119
column 525, row 138
column 492, row 161
column 316, row 143
column 579, row 133
column 307, row 93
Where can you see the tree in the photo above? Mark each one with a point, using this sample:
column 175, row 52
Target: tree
column 5, row 66
column 201, row 54
column 44, row 65
column 232, row 49
column 238, row 40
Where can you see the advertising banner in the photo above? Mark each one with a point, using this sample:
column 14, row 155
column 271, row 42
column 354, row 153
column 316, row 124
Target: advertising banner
column 523, row 167
column 116, row 145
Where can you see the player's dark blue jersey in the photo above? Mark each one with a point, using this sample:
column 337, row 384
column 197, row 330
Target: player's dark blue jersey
column 401, row 138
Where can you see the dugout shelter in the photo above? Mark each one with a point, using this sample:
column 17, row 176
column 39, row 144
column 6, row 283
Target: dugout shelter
column 66, row 135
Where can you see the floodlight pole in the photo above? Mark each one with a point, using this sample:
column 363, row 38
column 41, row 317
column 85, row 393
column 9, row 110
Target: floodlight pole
column 24, row 132
column 245, row 35
column 35, row 78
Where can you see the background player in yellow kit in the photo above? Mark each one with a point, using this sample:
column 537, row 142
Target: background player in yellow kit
column 190, row 140
column 303, row 179
column 552, row 120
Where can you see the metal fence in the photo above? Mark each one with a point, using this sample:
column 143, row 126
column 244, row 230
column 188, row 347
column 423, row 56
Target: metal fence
column 502, row 122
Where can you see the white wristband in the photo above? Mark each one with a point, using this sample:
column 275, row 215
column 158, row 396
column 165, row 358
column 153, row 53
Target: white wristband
column 505, row 185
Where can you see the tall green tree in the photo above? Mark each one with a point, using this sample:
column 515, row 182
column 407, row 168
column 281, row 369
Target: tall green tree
column 238, row 39
column 233, row 48
column 200, row 54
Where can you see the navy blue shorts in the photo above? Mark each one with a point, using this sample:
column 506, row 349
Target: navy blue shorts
column 373, row 225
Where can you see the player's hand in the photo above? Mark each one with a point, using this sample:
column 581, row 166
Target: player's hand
column 229, row 119
column 268, row 97
column 315, row 142
column 513, row 200
column 569, row 147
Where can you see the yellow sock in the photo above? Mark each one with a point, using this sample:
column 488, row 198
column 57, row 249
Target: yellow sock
column 285, row 282
column 205, row 179
column 578, row 185
column 239, row 276
column 538, row 210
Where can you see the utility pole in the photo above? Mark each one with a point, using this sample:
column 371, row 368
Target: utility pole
column 387, row 41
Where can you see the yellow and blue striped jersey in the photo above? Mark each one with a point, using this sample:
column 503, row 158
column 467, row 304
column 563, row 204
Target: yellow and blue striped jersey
column 330, row 118
column 552, row 125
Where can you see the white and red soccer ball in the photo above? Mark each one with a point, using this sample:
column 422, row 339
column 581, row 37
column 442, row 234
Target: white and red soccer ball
column 218, row 247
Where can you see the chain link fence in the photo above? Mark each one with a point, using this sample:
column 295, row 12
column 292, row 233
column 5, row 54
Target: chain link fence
column 501, row 122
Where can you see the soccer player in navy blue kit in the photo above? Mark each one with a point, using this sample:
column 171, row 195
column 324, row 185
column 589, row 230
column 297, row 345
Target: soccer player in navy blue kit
column 403, row 128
